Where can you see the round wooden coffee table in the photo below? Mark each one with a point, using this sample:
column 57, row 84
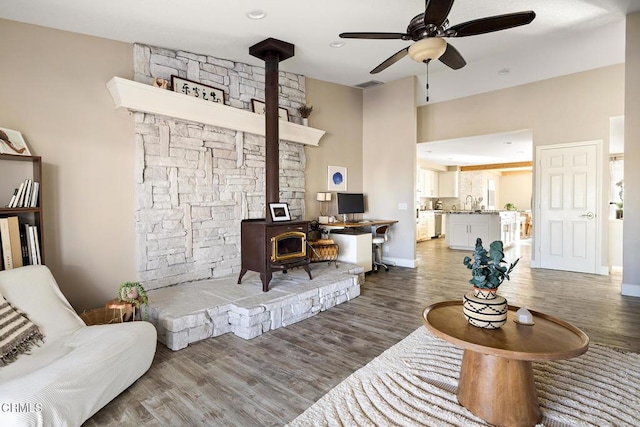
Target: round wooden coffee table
column 496, row 377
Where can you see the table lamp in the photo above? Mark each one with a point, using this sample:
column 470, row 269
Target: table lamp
column 323, row 198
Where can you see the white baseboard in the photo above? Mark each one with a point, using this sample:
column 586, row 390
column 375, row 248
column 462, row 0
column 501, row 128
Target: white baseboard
column 630, row 290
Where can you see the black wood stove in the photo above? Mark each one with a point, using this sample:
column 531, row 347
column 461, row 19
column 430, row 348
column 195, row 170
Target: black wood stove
column 268, row 246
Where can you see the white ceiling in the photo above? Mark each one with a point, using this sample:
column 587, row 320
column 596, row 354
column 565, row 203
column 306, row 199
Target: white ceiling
column 507, row 147
column 567, row 35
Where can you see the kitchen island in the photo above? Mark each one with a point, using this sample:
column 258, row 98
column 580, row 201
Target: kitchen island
column 464, row 227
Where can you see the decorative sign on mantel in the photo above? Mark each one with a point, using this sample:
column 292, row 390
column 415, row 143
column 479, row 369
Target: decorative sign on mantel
column 197, row 90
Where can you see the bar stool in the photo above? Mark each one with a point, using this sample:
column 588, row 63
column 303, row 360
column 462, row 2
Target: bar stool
column 380, row 236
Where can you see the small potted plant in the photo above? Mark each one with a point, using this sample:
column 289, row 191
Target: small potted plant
column 134, row 293
column 483, row 307
column 305, row 112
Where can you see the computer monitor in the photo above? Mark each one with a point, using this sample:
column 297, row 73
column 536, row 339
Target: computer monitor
column 350, row 203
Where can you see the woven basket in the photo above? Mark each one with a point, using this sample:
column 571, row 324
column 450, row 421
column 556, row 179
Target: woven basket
column 323, row 250
column 101, row 316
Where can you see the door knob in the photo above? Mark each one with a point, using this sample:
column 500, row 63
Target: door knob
column 588, row 215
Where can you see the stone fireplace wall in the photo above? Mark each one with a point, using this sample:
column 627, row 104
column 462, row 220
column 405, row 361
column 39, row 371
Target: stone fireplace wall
column 195, row 182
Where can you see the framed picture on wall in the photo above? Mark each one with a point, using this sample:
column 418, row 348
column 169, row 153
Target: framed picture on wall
column 259, row 106
column 12, row 142
column 279, row 212
column 337, row 178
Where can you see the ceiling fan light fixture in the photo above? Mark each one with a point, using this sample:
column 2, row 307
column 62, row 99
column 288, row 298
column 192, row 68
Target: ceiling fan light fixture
column 428, row 48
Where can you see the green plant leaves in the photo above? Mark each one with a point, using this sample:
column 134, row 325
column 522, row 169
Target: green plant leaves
column 487, row 270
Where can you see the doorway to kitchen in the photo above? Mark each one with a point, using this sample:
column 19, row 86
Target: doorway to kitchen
column 487, row 173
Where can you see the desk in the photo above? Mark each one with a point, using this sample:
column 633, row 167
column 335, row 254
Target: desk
column 356, row 247
column 496, row 378
column 358, row 224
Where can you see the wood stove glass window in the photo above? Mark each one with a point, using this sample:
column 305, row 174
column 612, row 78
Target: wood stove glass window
column 287, row 246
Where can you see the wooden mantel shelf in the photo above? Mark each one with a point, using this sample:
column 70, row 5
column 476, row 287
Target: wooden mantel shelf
column 136, row 96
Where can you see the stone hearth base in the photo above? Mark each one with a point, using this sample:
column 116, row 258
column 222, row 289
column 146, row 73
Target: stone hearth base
column 193, row 311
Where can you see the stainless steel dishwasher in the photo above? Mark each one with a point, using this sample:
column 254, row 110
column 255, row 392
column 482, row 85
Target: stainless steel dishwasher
column 438, row 228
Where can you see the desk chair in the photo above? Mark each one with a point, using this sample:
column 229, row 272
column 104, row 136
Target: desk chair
column 380, row 235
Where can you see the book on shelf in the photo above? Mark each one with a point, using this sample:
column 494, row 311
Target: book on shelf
column 13, row 198
column 34, row 194
column 34, row 245
column 14, row 238
column 26, row 195
column 16, row 201
column 19, row 243
column 38, row 257
column 27, row 236
column 6, row 244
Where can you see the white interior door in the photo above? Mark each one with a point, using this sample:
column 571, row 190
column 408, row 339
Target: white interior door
column 568, row 226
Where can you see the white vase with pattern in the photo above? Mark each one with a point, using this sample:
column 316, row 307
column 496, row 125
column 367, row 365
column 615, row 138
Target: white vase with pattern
column 485, row 309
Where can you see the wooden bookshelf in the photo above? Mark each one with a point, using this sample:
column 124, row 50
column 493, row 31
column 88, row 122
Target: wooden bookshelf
column 14, row 170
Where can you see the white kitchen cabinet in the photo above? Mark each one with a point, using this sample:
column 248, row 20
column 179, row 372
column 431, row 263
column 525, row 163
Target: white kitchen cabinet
column 431, row 227
column 430, row 183
column 421, row 231
column 448, row 184
column 510, row 228
column 420, row 183
column 426, row 225
column 464, row 229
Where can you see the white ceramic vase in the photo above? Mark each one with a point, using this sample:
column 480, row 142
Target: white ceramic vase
column 485, row 309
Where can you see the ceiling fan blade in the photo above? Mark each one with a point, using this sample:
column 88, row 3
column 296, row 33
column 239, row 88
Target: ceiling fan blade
column 436, row 11
column 391, row 60
column 452, row 58
column 376, row 36
column 492, row 23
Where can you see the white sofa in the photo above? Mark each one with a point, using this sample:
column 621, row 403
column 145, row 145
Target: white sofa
column 78, row 369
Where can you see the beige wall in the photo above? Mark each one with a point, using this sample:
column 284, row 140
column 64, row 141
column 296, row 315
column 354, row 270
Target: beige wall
column 389, row 163
column 516, row 189
column 565, row 109
column 337, row 110
column 631, row 236
column 53, row 91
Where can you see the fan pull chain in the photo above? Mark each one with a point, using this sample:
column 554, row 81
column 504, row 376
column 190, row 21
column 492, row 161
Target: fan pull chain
column 427, row 62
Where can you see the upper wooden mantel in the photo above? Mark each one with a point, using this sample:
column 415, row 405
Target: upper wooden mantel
column 136, row 96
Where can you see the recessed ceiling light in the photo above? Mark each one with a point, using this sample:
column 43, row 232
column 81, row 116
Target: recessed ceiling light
column 256, row 14
column 337, row 44
column 504, row 71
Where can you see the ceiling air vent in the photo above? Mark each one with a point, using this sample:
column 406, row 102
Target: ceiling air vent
column 370, row 83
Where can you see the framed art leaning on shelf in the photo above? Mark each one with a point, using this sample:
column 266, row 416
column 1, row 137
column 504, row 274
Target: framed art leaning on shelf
column 12, row 142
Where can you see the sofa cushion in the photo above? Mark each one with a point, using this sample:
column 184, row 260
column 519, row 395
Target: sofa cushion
column 33, row 290
column 17, row 333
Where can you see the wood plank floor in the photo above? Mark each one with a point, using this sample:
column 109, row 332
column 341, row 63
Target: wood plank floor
column 273, row 378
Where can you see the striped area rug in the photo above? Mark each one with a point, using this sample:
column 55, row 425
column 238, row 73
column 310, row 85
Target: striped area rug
column 414, row 384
